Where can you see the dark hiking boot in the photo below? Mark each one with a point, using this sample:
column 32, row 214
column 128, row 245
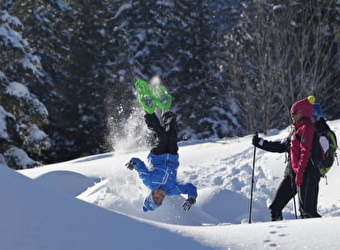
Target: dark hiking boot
column 276, row 215
column 154, row 124
column 169, row 121
column 307, row 216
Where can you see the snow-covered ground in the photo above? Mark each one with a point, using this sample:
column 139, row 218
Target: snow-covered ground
column 95, row 203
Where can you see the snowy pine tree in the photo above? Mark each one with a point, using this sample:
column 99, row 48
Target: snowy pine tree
column 22, row 115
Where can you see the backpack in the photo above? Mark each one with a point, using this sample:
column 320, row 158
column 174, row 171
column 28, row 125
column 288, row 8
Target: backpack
column 327, row 151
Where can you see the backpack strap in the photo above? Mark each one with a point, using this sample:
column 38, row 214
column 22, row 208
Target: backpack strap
column 332, row 137
column 317, row 152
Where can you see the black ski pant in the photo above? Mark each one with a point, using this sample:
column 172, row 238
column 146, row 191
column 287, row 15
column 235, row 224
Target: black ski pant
column 285, row 192
column 166, row 134
column 307, row 193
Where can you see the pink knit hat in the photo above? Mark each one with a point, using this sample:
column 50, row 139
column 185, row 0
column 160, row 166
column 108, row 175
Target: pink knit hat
column 304, row 106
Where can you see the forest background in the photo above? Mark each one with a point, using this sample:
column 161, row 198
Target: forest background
column 67, row 69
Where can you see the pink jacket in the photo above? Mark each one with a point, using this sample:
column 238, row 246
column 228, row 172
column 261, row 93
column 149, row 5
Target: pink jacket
column 301, row 146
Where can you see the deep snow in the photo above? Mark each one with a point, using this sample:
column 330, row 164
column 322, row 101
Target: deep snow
column 95, row 203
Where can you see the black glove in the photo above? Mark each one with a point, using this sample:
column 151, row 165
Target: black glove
column 131, row 165
column 188, row 203
column 256, row 140
column 287, row 144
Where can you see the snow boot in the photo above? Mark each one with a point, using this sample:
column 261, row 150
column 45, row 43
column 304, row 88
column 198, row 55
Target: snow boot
column 154, row 124
column 169, row 121
column 307, row 216
column 276, row 215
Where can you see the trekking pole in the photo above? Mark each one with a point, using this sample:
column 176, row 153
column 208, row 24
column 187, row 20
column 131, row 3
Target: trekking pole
column 252, row 186
column 294, row 202
column 294, row 207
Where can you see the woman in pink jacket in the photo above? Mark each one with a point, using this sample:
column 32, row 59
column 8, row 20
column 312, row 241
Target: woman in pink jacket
column 303, row 145
column 301, row 176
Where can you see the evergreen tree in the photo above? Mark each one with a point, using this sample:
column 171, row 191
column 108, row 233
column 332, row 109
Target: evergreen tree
column 22, row 115
column 71, row 40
